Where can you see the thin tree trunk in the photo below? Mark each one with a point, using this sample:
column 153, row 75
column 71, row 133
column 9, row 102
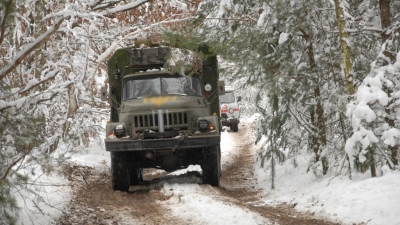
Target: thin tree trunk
column 72, row 108
column 385, row 14
column 345, row 50
column 319, row 123
column 7, row 10
column 40, row 28
column 373, row 167
column 384, row 7
column 341, row 120
column 391, row 122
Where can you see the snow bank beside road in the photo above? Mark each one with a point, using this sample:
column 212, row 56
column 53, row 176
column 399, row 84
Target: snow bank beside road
column 373, row 201
column 42, row 200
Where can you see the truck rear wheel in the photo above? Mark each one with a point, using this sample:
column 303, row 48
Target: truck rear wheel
column 212, row 167
column 120, row 171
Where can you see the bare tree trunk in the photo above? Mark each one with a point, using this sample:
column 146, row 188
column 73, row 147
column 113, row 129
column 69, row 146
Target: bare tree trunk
column 391, row 122
column 73, row 103
column 373, row 168
column 72, row 108
column 342, row 125
column 319, row 137
column 384, row 7
column 40, row 28
column 345, row 51
column 344, row 47
column 385, row 14
column 7, row 8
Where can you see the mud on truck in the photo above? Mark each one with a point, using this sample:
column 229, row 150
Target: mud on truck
column 164, row 112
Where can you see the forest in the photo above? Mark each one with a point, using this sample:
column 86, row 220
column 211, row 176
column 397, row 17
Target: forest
column 324, row 75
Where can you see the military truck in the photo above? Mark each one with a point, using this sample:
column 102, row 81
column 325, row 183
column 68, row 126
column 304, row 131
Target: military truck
column 164, row 112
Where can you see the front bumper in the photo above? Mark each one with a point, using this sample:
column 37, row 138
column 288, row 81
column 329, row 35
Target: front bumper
column 162, row 144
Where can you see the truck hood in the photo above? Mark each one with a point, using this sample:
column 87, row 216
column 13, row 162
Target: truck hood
column 163, row 102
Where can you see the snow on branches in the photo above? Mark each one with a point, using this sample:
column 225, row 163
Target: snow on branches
column 374, row 115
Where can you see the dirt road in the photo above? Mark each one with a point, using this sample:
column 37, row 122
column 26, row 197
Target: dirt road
column 94, row 201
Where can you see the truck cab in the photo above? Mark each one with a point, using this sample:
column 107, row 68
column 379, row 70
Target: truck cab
column 229, row 109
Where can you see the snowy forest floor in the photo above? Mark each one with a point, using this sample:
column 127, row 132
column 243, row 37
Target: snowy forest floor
column 180, row 197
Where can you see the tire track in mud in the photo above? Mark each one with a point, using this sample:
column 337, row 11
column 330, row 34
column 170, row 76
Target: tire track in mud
column 238, row 185
column 95, row 202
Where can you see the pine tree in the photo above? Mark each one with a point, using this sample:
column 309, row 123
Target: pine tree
column 294, row 46
column 375, row 137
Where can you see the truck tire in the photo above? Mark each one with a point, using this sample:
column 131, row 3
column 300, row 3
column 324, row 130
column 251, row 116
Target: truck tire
column 135, row 175
column 119, row 171
column 212, row 167
column 234, row 127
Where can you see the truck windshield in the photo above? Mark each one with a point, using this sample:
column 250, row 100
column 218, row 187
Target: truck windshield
column 228, row 97
column 136, row 88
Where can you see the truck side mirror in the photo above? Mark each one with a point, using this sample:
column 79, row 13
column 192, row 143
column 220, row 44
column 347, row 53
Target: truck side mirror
column 221, row 87
column 104, row 93
column 239, row 98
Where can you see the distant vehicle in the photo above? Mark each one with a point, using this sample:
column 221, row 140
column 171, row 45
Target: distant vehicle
column 229, row 108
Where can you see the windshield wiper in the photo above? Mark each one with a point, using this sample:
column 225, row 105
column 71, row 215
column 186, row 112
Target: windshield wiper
column 176, row 93
column 133, row 98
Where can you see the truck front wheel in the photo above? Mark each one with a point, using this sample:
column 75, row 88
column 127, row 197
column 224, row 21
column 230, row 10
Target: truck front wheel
column 136, row 175
column 212, row 167
column 234, row 127
column 119, row 171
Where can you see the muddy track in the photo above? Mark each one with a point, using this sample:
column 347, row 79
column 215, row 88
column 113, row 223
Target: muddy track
column 94, row 201
column 238, row 183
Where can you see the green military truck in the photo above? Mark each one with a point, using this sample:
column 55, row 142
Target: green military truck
column 164, row 112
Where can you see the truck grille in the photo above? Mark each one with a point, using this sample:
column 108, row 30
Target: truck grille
column 171, row 121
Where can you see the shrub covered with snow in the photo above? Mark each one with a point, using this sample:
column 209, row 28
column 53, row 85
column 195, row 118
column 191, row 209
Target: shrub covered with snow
column 375, row 118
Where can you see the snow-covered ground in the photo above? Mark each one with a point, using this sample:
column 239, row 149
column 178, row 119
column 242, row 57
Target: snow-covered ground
column 373, row 201
column 361, row 200
column 197, row 204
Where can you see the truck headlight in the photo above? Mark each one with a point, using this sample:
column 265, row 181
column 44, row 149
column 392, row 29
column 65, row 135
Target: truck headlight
column 205, row 125
column 120, row 130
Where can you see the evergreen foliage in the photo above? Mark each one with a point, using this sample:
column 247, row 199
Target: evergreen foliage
column 8, row 205
column 374, row 113
column 289, row 51
column 272, row 148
